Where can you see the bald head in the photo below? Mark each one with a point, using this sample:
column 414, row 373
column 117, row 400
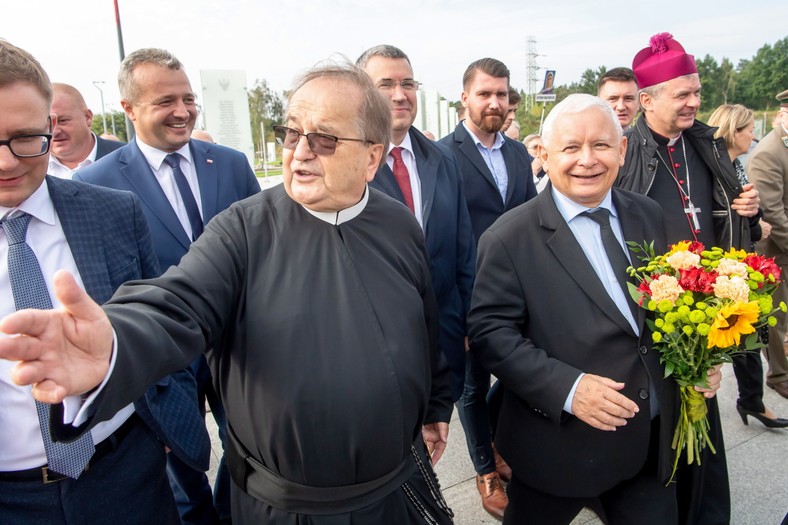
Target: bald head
column 72, row 139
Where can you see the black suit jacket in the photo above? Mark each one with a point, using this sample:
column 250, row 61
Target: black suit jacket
column 481, row 192
column 449, row 239
column 539, row 317
column 104, row 146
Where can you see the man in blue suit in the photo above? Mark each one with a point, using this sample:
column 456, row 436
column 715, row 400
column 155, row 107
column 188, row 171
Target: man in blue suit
column 435, row 196
column 46, row 224
column 182, row 184
column 497, row 174
column 74, row 145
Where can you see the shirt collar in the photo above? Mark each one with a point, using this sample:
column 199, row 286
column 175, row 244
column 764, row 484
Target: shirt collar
column 155, row 157
column 39, row 205
column 87, row 161
column 499, row 140
column 338, row 217
column 569, row 209
column 406, row 144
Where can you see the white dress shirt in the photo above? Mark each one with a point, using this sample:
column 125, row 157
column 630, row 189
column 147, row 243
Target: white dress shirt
column 164, row 177
column 409, row 159
column 21, row 444
column 57, row 169
column 493, row 158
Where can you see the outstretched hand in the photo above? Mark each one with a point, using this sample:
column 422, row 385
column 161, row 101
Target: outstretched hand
column 598, row 403
column 62, row 352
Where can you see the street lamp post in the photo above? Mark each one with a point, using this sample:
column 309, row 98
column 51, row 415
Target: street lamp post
column 103, row 113
column 112, row 118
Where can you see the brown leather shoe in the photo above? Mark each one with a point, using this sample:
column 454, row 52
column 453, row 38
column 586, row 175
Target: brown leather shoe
column 781, row 388
column 494, row 498
column 503, row 470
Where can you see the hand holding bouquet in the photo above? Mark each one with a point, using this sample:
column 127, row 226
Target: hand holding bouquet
column 707, row 305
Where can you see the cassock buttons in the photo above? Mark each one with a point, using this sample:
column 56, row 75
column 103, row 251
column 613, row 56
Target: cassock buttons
column 644, row 349
column 643, row 393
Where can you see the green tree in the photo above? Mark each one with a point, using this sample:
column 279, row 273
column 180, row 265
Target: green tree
column 758, row 80
column 266, row 106
column 120, row 124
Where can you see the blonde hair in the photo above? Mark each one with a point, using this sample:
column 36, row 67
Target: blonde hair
column 728, row 119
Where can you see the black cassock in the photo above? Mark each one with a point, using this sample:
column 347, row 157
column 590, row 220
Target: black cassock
column 321, row 330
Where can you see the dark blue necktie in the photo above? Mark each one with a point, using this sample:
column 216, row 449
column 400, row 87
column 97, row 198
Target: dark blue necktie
column 30, row 291
column 615, row 253
column 173, row 160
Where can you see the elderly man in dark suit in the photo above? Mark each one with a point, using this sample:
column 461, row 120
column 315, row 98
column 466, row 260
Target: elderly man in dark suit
column 424, row 176
column 587, row 417
column 74, row 145
column 182, row 183
column 116, row 474
column 497, row 174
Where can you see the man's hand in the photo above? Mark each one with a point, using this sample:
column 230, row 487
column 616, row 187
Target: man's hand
column 435, row 436
column 598, row 403
column 748, row 202
column 766, row 229
column 63, row 352
column 714, row 379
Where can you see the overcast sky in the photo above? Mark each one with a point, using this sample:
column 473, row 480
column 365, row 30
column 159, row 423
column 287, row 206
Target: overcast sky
column 76, row 40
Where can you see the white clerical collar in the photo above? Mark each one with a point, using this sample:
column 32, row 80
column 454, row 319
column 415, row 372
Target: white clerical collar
column 39, row 205
column 155, row 157
column 338, row 217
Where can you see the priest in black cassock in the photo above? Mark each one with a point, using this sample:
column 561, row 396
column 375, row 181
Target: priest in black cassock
column 318, row 293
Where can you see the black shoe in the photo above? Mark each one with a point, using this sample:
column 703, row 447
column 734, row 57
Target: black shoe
column 777, row 422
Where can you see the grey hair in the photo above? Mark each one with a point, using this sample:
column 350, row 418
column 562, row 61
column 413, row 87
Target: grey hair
column 577, row 103
column 656, row 89
column 383, row 51
column 373, row 118
column 150, row 55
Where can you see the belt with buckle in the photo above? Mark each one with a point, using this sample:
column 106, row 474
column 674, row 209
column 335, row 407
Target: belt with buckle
column 47, row 476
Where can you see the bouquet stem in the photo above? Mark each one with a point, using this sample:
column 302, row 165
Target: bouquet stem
column 692, row 429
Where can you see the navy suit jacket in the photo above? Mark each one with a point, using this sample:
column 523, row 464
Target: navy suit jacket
column 110, row 241
column 481, row 192
column 104, row 147
column 449, row 240
column 224, row 176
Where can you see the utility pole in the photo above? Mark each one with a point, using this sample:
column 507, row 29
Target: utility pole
column 532, row 72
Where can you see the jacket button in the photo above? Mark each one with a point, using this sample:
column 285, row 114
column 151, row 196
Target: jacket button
column 644, row 349
column 643, row 393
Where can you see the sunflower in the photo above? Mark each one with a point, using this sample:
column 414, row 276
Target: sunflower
column 731, row 322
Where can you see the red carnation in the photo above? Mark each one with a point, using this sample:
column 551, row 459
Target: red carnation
column 645, row 290
column 697, row 280
column 762, row 264
column 696, row 247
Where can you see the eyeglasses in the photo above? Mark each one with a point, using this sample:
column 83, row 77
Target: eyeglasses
column 320, row 143
column 28, row 145
column 406, row 85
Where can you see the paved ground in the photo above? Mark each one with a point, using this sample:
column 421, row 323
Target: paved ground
column 757, row 462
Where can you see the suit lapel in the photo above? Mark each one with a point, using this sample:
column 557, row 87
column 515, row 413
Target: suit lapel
column 469, row 149
column 86, row 246
column 632, row 226
column 139, row 175
column 427, row 166
column 510, row 159
column 571, row 257
column 208, row 177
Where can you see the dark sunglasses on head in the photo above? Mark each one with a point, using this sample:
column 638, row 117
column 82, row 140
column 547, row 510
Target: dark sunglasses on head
column 320, row 143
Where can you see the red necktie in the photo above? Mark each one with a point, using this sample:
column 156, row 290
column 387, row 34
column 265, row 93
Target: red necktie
column 402, row 176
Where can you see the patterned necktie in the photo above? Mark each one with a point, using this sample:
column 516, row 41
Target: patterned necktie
column 30, row 291
column 173, row 160
column 615, row 253
column 402, row 177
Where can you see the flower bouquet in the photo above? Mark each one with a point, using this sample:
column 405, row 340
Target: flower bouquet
column 707, row 305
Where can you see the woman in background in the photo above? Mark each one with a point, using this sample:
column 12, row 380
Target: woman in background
column 735, row 125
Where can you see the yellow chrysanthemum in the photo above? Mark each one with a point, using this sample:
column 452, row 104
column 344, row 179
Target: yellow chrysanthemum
column 733, row 321
column 681, row 246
